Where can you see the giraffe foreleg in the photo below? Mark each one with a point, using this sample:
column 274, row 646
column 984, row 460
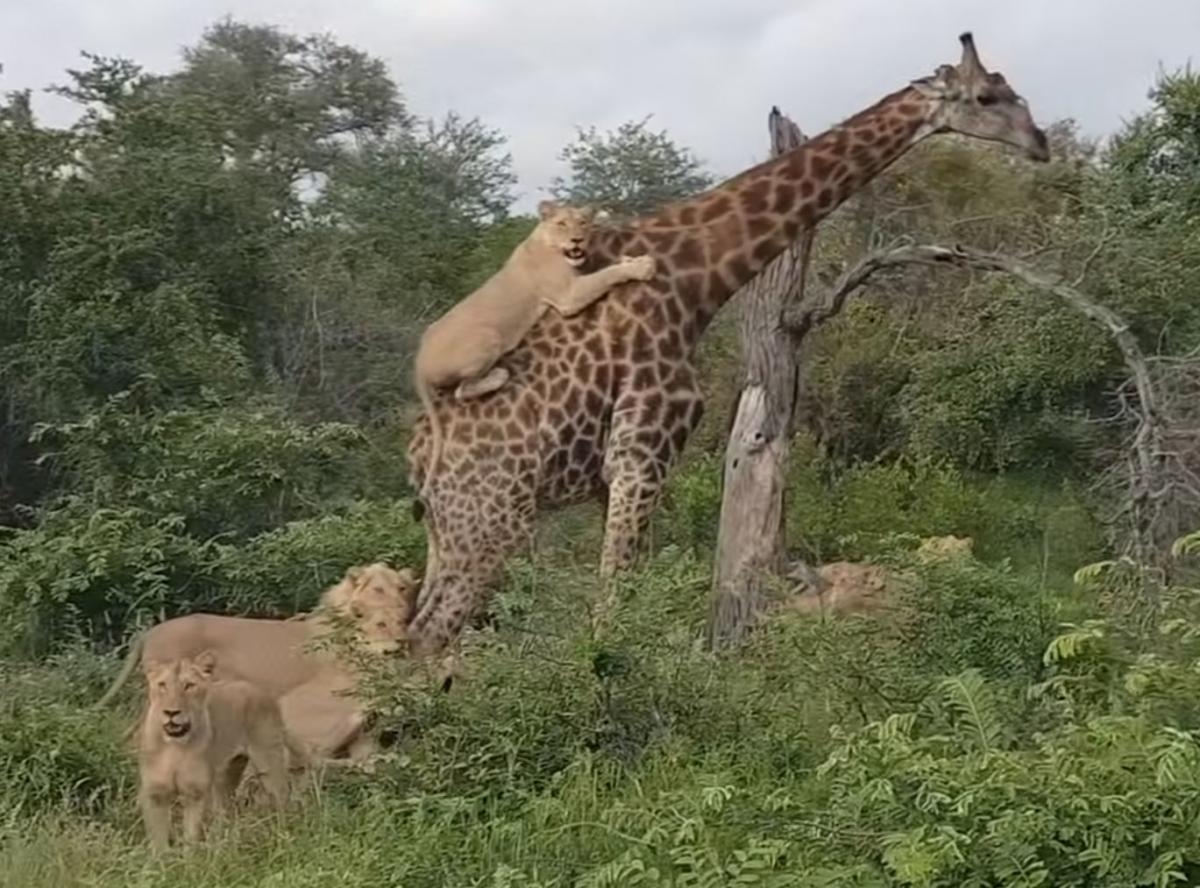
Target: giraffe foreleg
column 642, row 448
column 634, row 487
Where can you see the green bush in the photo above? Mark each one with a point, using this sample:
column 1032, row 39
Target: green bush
column 284, row 570
column 56, row 754
column 98, row 572
column 227, row 470
column 856, row 513
column 92, row 571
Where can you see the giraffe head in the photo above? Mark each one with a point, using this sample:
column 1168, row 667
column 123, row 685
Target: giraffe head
column 968, row 99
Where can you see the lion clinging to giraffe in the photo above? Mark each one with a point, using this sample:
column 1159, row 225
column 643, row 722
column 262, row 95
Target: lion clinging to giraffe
column 600, row 404
column 461, row 347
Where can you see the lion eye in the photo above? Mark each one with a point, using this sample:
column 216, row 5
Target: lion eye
column 188, row 685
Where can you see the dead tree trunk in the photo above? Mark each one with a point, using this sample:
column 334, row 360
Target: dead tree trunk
column 750, row 536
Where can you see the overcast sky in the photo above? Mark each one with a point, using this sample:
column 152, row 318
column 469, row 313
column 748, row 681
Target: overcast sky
column 708, row 70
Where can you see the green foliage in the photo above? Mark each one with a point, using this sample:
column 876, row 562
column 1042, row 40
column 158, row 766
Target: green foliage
column 283, row 570
column 855, row 512
column 1158, row 154
column 631, row 171
column 225, row 469
column 55, row 755
column 86, row 569
column 210, row 291
column 998, row 392
column 99, row 570
column 806, row 758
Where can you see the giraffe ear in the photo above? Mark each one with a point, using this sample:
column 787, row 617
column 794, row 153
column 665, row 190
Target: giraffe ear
column 942, row 84
column 546, row 208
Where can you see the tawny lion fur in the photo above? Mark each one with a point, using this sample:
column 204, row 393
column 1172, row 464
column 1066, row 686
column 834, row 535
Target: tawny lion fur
column 461, row 347
column 197, row 736
column 309, row 681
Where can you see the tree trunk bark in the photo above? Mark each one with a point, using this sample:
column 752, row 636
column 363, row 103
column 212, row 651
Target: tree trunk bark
column 750, row 537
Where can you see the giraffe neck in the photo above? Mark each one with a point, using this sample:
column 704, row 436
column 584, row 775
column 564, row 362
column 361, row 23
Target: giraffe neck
column 730, row 233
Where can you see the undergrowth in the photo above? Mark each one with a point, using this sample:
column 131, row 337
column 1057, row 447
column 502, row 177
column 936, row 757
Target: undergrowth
column 966, row 740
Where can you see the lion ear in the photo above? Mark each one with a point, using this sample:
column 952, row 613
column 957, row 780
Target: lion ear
column 411, row 587
column 546, row 208
column 206, row 660
column 354, row 574
column 589, row 213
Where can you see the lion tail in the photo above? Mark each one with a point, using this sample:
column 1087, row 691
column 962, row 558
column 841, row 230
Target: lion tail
column 131, row 661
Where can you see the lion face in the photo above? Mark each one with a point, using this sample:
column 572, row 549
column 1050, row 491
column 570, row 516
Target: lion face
column 372, row 587
column 179, row 691
column 383, row 629
column 565, row 230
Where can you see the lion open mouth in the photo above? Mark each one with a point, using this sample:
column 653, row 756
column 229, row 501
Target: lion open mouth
column 575, row 254
column 176, row 729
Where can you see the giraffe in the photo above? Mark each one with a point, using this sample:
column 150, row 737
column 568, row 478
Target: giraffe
column 599, row 405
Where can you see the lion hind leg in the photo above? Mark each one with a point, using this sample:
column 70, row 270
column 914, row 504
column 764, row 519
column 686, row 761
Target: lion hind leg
column 491, row 381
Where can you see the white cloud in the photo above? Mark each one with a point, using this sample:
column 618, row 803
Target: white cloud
column 707, row 69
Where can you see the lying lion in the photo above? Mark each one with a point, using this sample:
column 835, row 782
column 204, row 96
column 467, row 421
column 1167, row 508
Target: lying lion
column 945, row 548
column 841, row 587
column 850, row 587
column 461, row 347
column 311, row 682
column 197, row 737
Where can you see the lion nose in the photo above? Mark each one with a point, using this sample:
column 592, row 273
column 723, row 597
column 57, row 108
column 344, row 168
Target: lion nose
column 172, row 713
column 576, row 240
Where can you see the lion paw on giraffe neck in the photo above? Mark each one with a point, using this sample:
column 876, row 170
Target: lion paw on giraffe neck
column 601, row 404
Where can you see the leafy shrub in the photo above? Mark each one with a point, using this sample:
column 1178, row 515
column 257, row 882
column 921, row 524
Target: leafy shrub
column 99, row 571
column 687, row 515
column 92, row 571
column 858, row 512
column 56, row 755
column 284, row 570
column 1000, row 393
column 225, row 470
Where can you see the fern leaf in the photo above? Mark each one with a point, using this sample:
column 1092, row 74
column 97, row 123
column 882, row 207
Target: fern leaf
column 1186, row 545
column 969, row 698
column 1071, row 644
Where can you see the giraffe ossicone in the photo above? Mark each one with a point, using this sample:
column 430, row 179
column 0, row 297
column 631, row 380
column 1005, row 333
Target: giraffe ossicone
column 600, row 404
